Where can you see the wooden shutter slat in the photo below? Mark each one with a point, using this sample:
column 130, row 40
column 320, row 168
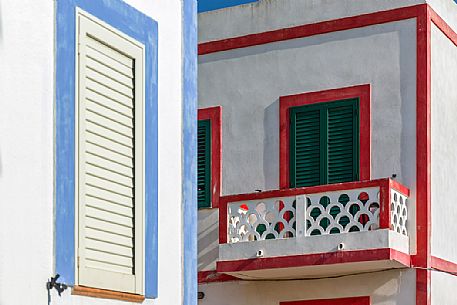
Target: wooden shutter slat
column 107, row 112
column 109, row 83
column 109, row 248
column 108, row 51
column 113, row 231
column 108, row 196
column 109, row 217
column 106, row 144
column 109, row 206
column 109, row 258
column 108, row 134
column 107, row 164
column 108, row 267
column 109, row 93
column 98, row 65
column 109, row 186
column 110, row 175
column 110, row 124
column 109, row 154
column 111, row 103
column 112, row 234
column 103, row 59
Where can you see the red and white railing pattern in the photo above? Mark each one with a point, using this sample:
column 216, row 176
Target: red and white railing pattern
column 328, row 209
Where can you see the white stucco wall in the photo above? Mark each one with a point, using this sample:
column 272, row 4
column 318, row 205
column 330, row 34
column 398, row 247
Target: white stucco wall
column 26, row 152
column 443, row 289
column 444, row 145
column 446, row 9
column 267, row 15
column 384, row 288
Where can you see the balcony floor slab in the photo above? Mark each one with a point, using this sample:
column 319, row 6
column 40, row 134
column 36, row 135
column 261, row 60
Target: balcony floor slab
column 315, row 256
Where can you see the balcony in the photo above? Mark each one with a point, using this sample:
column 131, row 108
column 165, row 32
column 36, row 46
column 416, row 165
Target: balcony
column 315, row 231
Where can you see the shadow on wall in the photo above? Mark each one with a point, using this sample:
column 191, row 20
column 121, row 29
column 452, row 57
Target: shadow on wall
column 208, row 239
column 271, row 146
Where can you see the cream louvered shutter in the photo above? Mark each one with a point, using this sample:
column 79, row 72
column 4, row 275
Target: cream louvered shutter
column 110, row 158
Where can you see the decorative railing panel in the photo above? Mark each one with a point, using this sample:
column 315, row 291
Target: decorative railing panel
column 399, row 212
column 330, row 209
column 264, row 219
column 343, row 211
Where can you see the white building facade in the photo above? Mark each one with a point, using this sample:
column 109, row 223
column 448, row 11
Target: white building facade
column 98, row 133
column 325, row 147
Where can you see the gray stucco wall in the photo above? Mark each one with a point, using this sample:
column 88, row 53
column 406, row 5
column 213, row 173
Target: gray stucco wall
column 248, row 83
column 388, row 287
column 267, row 15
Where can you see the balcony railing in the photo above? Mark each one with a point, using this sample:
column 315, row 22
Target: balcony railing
column 322, row 210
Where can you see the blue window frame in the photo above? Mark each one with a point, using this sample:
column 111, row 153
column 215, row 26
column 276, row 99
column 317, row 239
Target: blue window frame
column 135, row 24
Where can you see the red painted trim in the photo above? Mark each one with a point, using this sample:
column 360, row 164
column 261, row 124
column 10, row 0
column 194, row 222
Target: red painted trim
column 214, row 114
column 384, row 197
column 212, row 276
column 309, row 29
column 424, row 16
column 341, row 301
column 423, row 158
column 328, row 258
column 382, row 183
column 286, row 102
column 443, row 265
column 443, row 26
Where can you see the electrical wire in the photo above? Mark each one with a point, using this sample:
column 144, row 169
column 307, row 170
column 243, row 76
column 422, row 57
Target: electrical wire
column 250, row 278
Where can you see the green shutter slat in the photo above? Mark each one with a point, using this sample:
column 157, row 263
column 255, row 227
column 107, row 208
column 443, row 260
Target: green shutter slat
column 342, row 141
column 204, row 164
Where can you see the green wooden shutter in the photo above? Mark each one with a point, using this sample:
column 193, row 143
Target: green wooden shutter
column 204, row 164
column 324, row 143
column 342, row 142
column 305, row 146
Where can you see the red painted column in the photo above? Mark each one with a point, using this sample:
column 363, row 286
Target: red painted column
column 423, row 229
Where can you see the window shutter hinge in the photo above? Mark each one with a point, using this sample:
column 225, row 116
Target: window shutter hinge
column 77, row 261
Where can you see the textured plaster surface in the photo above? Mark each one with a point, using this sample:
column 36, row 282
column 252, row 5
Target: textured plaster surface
column 248, row 82
column 267, row 15
column 316, row 244
column 443, row 289
column 26, row 150
column 384, row 288
column 444, row 143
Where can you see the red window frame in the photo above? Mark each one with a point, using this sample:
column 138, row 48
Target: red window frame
column 365, row 300
column 214, row 114
column 362, row 92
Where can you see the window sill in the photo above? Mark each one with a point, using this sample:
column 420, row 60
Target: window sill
column 107, row 294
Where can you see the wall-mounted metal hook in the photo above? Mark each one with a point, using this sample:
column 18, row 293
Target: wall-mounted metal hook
column 52, row 283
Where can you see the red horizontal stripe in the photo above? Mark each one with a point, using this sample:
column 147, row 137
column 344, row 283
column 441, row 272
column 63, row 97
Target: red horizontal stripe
column 301, row 31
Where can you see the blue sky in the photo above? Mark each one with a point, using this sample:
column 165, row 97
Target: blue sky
column 209, row 5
